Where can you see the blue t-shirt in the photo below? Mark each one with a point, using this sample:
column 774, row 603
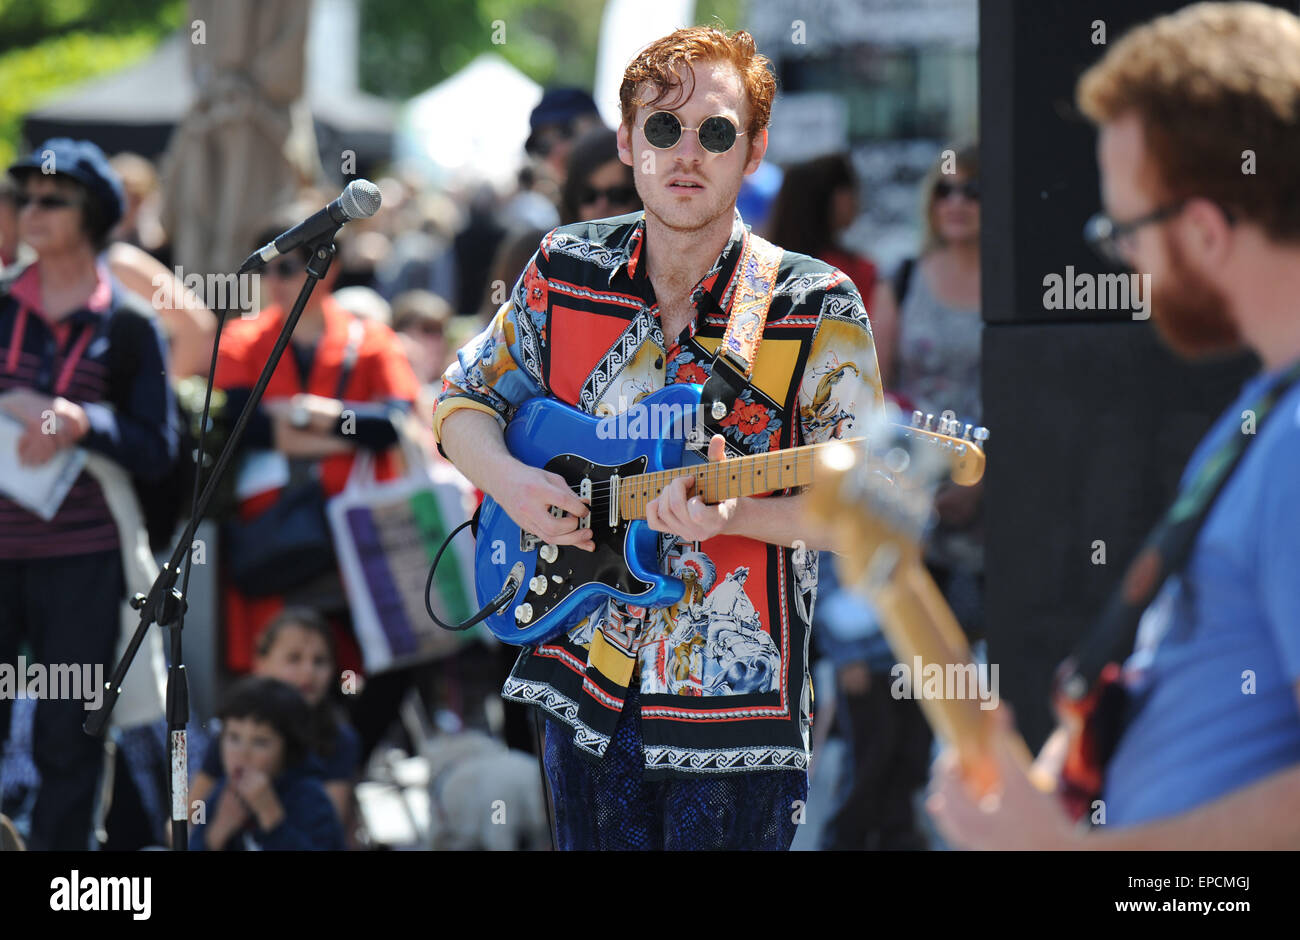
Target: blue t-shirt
column 310, row 823
column 1211, row 679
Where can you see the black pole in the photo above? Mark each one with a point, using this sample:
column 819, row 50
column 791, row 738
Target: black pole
column 165, row 605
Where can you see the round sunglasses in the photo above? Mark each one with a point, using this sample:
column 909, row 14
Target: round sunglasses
column 717, row 134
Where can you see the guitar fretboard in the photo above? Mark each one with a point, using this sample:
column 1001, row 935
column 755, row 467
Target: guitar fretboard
column 716, row 482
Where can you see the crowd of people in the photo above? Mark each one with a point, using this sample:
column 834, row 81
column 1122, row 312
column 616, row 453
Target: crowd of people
column 85, row 245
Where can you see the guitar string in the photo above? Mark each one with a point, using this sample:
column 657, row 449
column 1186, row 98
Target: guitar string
column 601, row 487
column 799, row 453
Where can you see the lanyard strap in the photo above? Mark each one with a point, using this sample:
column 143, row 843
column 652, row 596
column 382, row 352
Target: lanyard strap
column 74, row 356
column 69, row 364
column 16, row 339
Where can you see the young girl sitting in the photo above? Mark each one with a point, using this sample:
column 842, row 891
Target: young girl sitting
column 297, row 647
column 266, row 799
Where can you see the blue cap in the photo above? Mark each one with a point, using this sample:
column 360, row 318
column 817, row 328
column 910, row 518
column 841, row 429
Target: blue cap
column 82, row 161
column 559, row 106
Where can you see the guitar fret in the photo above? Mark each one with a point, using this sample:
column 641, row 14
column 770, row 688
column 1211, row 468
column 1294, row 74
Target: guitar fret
column 738, row 476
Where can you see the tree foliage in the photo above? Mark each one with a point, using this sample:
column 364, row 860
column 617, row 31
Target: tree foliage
column 408, row 46
column 28, row 23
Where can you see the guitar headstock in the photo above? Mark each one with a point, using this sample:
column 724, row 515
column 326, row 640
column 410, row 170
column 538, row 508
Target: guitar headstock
column 966, row 447
column 877, row 495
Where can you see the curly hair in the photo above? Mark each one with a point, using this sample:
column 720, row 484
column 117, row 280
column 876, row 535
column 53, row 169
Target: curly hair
column 656, row 68
column 275, row 703
column 1209, row 83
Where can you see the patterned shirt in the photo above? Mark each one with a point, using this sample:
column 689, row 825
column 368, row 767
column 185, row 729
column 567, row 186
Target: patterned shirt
column 723, row 674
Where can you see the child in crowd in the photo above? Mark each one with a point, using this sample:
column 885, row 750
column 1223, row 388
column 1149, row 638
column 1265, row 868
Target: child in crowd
column 266, row 798
column 297, row 647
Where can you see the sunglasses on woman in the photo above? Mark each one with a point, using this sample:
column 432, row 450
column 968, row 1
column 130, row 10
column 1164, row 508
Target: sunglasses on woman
column 970, row 189
column 717, row 134
column 23, row 200
column 614, row 195
column 286, row 267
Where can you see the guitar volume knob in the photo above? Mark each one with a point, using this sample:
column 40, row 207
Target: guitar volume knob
column 538, row 584
column 524, row 613
column 549, row 553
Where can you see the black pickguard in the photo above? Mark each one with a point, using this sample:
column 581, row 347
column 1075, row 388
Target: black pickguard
column 574, row 567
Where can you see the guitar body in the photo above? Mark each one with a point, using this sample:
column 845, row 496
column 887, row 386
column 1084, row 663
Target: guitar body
column 559, row 438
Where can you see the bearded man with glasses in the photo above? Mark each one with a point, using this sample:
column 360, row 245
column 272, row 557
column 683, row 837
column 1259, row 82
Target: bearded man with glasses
column 660, row 734
column 1202, row 749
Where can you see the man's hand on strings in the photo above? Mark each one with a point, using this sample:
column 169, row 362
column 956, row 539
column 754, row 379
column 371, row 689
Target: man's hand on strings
column 688, row 516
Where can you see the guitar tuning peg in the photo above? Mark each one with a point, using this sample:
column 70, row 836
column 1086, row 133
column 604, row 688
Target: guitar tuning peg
column 917, row 418
column 929, row 422
column 980, row 434
column 966, row 436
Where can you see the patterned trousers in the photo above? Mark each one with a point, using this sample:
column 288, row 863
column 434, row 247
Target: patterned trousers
column 608, row 806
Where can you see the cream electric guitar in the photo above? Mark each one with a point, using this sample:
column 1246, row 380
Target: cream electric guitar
column 878, row 503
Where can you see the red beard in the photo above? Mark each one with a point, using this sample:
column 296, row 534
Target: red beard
column 1189, row 311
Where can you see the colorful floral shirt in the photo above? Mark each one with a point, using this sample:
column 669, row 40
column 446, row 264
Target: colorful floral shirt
column 723, row 674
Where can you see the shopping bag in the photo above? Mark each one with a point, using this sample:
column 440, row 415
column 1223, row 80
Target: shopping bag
column 386, row 534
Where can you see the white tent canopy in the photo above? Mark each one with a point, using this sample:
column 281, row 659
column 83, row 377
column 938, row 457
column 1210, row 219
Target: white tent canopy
column 472, row 125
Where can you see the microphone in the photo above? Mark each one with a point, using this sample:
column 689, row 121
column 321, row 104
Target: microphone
column 359, row 200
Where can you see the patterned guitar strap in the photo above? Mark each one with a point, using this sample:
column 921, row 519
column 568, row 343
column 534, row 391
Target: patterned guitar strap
column 1164, row 553
column 733, row 364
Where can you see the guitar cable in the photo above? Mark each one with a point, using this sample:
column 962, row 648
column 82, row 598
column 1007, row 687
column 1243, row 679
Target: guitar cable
column 503, row 598
column 498, row 602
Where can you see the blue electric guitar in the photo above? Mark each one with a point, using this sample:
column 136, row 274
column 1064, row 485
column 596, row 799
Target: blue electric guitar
column 617, row 465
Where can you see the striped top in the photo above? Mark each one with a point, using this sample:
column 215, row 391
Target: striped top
column 70, row 358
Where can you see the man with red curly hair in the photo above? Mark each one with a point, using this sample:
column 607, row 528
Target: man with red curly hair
column 681, row 727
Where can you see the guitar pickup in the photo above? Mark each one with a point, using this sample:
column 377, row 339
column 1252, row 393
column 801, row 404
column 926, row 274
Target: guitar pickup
column 584, row 494
column 528, row 541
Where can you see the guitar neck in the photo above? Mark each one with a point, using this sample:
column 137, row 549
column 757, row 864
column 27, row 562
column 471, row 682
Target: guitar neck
column 778, row 470
column 726, row 479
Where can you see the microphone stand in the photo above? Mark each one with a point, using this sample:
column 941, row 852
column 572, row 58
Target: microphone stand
column 165, row 605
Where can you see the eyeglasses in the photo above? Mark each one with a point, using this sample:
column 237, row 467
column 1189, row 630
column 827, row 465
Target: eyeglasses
column 614, row 195
column 970, row 189
column 717, row 134
column 1113, row 240
column 286, row 267
column 23, row 200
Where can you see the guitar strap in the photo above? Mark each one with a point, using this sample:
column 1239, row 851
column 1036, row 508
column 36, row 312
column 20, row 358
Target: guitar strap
column 733, row 364
column 1094, row 666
